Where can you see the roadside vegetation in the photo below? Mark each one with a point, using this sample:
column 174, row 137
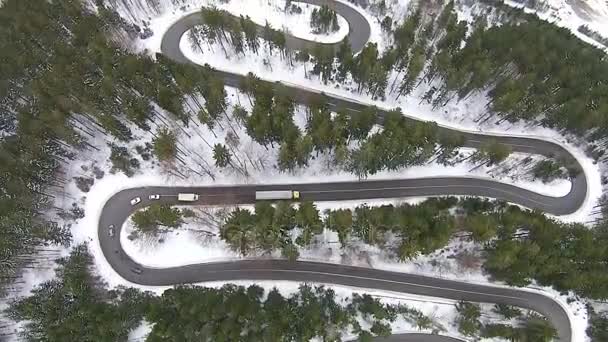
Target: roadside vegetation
column 324, row 20
column 68, row 77
column 533, row 78
column 157, row 219
column 77, row 306
column 520, row 246
column 598, row 324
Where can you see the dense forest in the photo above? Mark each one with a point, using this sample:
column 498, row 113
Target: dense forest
column 67, row 75
column 324, row 20
column 73, row 82
column 531, row 70
column 520, row 246
column 77, row 306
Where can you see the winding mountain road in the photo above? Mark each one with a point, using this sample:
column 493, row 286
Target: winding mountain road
column 117, row 210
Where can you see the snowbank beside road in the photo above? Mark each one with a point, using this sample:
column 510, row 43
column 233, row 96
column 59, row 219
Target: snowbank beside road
column 459, row 115
column 260, row 11
column 571, row 14
column 456, row 261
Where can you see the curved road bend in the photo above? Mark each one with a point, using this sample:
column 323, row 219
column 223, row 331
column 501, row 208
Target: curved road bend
column 450, row 185
column 117, row 210
column 358, row 28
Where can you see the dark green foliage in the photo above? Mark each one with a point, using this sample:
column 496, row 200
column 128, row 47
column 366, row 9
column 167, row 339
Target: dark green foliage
column 221, row 155
column 238, row 231
column 401, row 143
column 340, row 221
column 548, row 170
column 271, row 119
column 531, row 328
column 535, row 71
column 237, row 313
column 468, row 320
column 598, row 325
column 369, row 72
column 62, row 81
column 157, row 218
column 492, row 153
column 76, row 307
column 165, row 145
column 566, row 256
column 122, row 160
column 270, row 227
column 308, row 220
column 482, row 227
column 521, row 245
column 361, row 123
column 507, row 311
column 324, row 20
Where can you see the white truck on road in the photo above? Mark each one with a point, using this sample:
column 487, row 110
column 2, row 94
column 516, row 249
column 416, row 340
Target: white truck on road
column 277, row 195
column 187, row 197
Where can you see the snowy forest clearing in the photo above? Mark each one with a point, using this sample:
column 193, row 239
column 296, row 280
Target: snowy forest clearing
column 158, row 125
column 468, row 115
column 429, row 315
column 436, row 265
column 274, row 12
column 573, row 15
column 459, row 260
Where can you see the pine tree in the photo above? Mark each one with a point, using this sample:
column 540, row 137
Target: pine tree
column 165, row 145
column 221, row 155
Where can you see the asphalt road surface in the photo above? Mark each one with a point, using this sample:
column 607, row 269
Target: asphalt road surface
column 359, row 33
column 117, row 209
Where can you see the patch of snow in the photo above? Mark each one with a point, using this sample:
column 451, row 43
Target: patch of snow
column 193, row 247
column 457, row 115
column 571, row 14
column 260, row 11
column 140, row 333
column 296, row 24
column 440, row 310
column 445, row 263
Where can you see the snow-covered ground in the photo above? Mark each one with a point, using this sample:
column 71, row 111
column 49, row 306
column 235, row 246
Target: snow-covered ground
column 460, row 115
column 273, row 12
column 441, row 311
column 187, row 247
column 260, row 11
column 572, row 14
column 459, row 260
column 457, row 114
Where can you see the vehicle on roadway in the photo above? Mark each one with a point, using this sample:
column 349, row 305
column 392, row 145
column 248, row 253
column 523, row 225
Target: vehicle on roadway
column 135, row 200
column 154, row 197
column 277, row 195
column 136, row 270
column 187, row 197
column 111, row 230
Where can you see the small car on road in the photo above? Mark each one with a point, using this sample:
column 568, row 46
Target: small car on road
column 111, row 230
column 135, row 200
column 136, row 270
column 154, row 197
